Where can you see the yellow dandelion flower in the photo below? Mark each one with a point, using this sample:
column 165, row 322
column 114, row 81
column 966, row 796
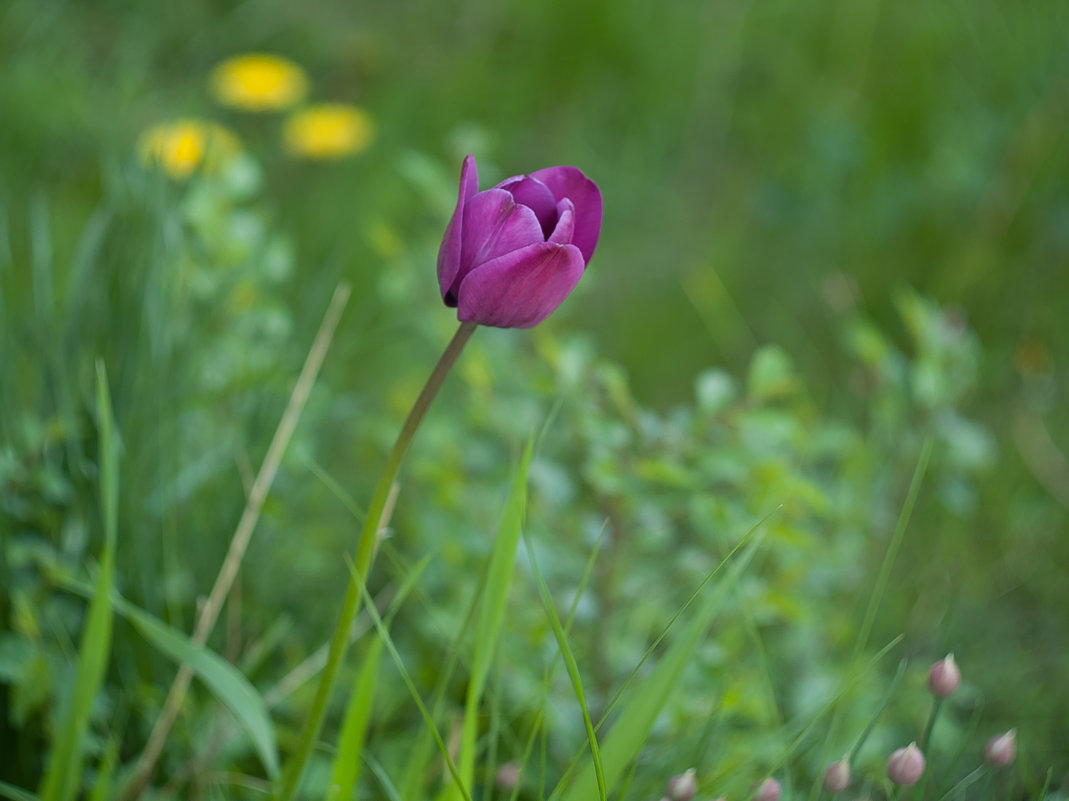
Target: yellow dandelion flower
column 179, row 147
column 328, row 131
column 258, row 82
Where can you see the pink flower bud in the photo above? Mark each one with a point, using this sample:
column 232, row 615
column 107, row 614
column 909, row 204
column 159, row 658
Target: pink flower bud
column 768, row 790
column 508, row 776
column 1001, row 750
column 682, row 787
column 906, row 765
column 944, row 677
column 837, row 776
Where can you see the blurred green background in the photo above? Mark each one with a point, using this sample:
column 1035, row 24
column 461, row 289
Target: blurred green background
column 855, row 213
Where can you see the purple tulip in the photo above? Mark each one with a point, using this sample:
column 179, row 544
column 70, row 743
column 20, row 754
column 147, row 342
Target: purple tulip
column 511, row 254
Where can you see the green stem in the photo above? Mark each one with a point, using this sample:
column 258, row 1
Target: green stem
column 365, row 552
column 937, row 704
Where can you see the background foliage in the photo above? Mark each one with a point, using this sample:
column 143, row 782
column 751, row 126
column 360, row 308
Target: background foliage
column 834, row 230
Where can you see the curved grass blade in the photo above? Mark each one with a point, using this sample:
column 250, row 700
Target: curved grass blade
column 551, row 671
column 878, row 590
column 346, row 768
column 102, row 789
column 13, row 793
column 384, row 634
column 745, row 541
column 573, row 673
column 61, row 782
column 222, row 678
column 632, row 728
column 491, row 613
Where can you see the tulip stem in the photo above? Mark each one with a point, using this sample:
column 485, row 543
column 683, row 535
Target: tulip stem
column 365, row 553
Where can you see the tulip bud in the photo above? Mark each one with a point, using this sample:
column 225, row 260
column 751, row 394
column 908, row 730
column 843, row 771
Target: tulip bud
column 683, row 787
column 837, row 776
column 906, row 765
column 768, row 790
column 511, row 254
column 944, row 677
column 1001, row 750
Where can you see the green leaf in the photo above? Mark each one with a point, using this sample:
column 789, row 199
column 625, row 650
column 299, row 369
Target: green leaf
column 62, row 780
column 222, row 678
column 15, row 793
column 346, row 768
column 354, row 731
column 771, row 374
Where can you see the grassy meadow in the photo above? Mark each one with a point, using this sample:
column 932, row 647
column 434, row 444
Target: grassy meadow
column 799, row 433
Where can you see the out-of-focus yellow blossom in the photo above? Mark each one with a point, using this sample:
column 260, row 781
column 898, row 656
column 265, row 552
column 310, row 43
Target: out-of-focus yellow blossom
column 258, row 82
column 328, row 131
column 183, row 145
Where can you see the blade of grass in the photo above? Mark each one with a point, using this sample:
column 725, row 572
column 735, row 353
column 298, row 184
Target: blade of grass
column 880, row 587
column 494, row 595
column 632, row 728
column 573, row 670
column 222, row 678
column 346, row 768
column 82, row 273
column 878, row 590
column 494, row 735
column 61, row 781
column 551, row 670
column 739, row 546
column 13, row 793
column 41, row 257
column 968, row 736
column 363, row 557
column 852, row 756
column 102, row 790
column 804, row 730
column 242, row 535
column 384, row 779
column 384, row 634
column 420, row 754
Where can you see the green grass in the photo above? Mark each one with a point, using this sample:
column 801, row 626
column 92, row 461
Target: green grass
column 63, row 779
column 827, row 249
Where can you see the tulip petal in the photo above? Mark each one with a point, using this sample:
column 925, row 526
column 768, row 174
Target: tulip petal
column 565, row 230
column 536, row 196
column 495, row 224
column 522, row 288
column 449, row 252
column 571, row 183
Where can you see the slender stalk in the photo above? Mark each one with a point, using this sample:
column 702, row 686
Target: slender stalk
column 937, row 704
column 365, row 551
